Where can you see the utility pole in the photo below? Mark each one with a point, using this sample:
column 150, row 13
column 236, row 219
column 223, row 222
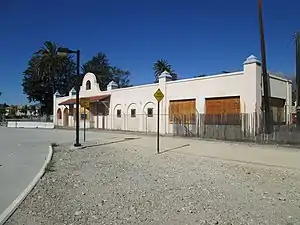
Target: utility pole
column 298, row 77
column 266, row 80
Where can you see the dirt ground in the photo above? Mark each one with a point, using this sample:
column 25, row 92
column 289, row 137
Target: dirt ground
column 126, row 182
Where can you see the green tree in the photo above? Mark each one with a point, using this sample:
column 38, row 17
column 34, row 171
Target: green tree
column 121, row 77
column 13, row 110
column 162, row 65
column 3, row 111
column 50, row 63
column 201, row 75
column 46, row 73
column 32, row 109
column 105, row 72
column 24, row 109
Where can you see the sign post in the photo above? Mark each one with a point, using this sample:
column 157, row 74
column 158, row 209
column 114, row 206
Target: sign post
column 85, row 104
column 159, row 96
column 84, row 121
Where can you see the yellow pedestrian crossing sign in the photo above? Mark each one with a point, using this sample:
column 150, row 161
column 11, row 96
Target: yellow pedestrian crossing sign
column 159, row 95
column 85, row 103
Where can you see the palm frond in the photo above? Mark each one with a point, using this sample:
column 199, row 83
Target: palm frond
column 162, row 65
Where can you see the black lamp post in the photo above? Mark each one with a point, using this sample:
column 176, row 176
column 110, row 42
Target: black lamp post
column 298, row 78
column 66, row 51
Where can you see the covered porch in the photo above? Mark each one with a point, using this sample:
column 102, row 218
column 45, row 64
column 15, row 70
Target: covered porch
column 96, row 113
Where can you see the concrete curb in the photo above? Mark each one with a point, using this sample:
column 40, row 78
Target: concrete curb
column 10, row 210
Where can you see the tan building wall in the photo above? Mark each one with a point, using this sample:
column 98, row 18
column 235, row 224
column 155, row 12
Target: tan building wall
column 127, row 108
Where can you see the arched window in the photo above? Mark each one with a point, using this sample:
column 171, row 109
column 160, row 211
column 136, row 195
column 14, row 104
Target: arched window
column 88, row 85
column 59, row 114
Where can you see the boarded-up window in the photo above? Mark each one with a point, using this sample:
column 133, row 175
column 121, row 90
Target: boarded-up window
column 150, row 112
column 224, row 110
column 133, row 113
column 118, row 112
column 183, row 111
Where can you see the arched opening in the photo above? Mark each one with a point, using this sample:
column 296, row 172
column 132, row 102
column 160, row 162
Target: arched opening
column 119, row 118
column 132, row 117
column 149, row 117
column 59, row 114
column 88, row 85
column 66, row 117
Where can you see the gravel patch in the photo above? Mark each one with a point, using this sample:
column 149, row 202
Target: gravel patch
column 119, row 184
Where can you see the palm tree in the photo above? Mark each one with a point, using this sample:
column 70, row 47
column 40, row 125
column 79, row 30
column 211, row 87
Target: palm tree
column 48, row 62
column 162, row 65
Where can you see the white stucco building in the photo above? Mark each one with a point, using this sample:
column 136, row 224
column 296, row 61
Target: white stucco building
column 135, row 108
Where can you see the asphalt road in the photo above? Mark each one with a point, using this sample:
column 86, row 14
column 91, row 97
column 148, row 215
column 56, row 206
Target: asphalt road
column 22, row 154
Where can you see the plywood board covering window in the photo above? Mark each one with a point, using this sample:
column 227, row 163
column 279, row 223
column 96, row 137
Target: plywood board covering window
column 224, row 105
column 223, row 110
column 183, row 111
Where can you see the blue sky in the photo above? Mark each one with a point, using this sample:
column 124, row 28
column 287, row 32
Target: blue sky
column 196, row 37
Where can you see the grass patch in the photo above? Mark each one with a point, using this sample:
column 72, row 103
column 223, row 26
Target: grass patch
column 51, row 164
column 50, row 167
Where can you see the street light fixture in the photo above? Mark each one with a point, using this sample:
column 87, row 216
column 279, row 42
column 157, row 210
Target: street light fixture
column 65, row 52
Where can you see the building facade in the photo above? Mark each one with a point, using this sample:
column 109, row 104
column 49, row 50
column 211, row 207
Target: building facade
column 187, row 103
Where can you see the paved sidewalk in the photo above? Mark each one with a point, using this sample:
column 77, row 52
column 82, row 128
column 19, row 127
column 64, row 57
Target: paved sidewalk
column 268, row 155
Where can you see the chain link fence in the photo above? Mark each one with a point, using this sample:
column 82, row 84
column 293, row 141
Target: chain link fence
column 247, row 127
column 44, row 118
column 243, row 127
column 129, row 122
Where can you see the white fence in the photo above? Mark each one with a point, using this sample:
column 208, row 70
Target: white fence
column 30, row 124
